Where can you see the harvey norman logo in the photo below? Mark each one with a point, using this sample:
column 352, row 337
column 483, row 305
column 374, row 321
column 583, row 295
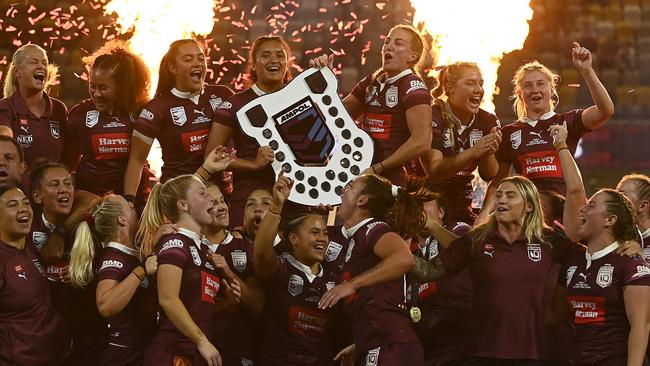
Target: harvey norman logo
column 295, row 111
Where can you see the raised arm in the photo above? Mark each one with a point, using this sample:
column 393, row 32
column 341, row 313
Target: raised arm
column 575, row 190
column 140, row 146
column 396, row 260
column 266, row 261
column 490, row 192
column 637, row 308
column 596, row 115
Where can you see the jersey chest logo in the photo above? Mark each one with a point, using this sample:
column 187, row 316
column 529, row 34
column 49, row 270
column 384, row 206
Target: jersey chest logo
column 296, row 284
column 391, row 96
column 333, row 250
column 515, row 139
column 55, row 129
column 239, row 261
column 39, row 238
column 569, row 274
column 605, row 274
column 178, row 115
column 215, row 102
column 92, row 117
column 474, row 136
column 534, row 252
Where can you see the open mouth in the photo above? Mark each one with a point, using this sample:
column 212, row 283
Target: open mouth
column 39, row 75
column 536, row 98
column 273, row 68
column 196, row 75
column 63, row 200
column 257, row 220
column 475, row 101
column 319, row 248
column 4, row 174
column 501, row 209
column 23, row 219
column 388, row 57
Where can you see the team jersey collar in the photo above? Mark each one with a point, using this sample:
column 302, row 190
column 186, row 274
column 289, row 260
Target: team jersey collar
column 122, row 248
column 303, row 268
column 256, row 89
column 645, row 234
column 50, row 226
column 543, row 117
column 456, row 121
column 21, row 106
column 601, row 253
column 393, row 79
column 348, row 233
column 192, row 235
column 187, row 95
column 213, row 247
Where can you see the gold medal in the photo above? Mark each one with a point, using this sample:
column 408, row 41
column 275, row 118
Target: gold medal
column 416, row 314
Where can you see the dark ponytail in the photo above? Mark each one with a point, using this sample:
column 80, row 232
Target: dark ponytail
column 621, row 207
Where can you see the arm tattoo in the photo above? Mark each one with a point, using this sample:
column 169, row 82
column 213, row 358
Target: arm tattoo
column 428, row 271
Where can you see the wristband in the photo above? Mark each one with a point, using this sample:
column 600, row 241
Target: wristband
column 129, row 198
column 203, row 174
column 139, row 273
column 562, row 148
column 561, row 145
column 382, row 166
column 373, row 168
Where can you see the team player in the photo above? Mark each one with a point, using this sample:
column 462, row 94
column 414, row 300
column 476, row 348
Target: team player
column 607, row 294
column 296, row 329
column 104, row 256
column 187, row 282
column 31, row 331
column 376, row 261
column 179, row 115
column 53, row 191
column 393, row 105
column 441, row 309
column 508, row 257
column 12, row 161
column 526, row 144
column 233, row 257
column 636, row 187
column 465, row 137
column 269, row 69
column 99, row 129
column 28, row 113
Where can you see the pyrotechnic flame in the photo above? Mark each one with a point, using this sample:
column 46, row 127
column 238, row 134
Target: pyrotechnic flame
column 156, row 24
column 478, row 31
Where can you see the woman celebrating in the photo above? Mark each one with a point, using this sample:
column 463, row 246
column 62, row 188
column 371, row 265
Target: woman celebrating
column 376, row 262
column 636, row 187
column 104, row 254
column 179, row 116
column 269, row 70
column 233, row 257
column 31, row 331
column 100, row 128
column 464, row 137
column 27, row 113
column 526, row 144
column 607, row 294
column 393, row 104
column 188, row 283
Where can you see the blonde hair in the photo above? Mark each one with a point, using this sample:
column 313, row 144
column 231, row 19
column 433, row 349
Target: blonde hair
column 11, row 83
column 518, row 104
column 450, row 74
column 418, row 46
column 533, row 222
column 161, row 207
column 90, row 237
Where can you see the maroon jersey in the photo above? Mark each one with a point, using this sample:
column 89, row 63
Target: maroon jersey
column 451, row 141
column 501, row 272
column 296, row 329
column 199, row 287
column 528, row 146
column 31, row 331
column 379, row 313
column 133, row 326
column 40, row 137
column 244, row 182
column 233, row 331
column 594, row 285
column 181, row 124
column 104, row 143
column 384, row 117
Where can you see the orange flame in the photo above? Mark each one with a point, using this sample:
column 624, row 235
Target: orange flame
column 479, row 31
column 156, row 24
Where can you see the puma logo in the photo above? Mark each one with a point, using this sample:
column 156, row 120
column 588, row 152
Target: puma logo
column 538, row 134
column 200, row 112
column 584, row 276
column 491, row 254
column 22, row 275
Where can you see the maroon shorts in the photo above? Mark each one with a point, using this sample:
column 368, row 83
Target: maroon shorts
column 122, row 356
column 392, row 354
column 158, row 354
